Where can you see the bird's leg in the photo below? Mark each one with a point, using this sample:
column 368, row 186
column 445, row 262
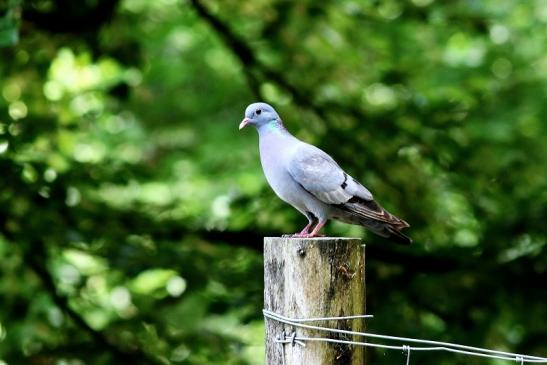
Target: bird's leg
column 303, row 233
column 306, row 230
column 315, row 232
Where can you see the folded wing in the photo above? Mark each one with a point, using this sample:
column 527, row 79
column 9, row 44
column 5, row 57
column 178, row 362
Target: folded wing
column 321, row 176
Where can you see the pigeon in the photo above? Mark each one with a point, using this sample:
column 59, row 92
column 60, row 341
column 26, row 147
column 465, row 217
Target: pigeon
column 312, row 182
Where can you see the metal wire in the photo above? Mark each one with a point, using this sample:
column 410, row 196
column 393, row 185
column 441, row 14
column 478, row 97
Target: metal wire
column 433, row 345
column 319, row 319
column 406, row 349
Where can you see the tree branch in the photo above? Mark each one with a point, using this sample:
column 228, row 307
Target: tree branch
column 250, row 62
column 238, row 47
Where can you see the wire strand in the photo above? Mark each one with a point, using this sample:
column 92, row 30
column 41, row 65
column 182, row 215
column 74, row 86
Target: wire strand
column 433, row 345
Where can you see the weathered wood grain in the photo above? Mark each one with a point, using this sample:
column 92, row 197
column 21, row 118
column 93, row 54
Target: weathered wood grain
column 314, row 277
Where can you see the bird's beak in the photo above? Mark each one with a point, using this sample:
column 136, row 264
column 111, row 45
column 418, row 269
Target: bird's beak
column 245, row 122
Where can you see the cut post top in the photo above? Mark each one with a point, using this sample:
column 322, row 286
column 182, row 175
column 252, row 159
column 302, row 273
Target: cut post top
column 314, row 238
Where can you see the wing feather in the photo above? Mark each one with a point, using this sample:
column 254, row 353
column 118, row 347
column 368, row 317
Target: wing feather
column 321, row 176
column 372, row 210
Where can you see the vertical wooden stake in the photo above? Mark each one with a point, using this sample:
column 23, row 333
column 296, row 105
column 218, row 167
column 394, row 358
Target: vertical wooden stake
column 314, row 277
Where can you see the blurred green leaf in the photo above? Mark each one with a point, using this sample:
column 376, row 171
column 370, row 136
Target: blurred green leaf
column 150, row 281
column 9, row 28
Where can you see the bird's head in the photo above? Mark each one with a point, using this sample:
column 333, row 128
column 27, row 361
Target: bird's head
column 258, row 115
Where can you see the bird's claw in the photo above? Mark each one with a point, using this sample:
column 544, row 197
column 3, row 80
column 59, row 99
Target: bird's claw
column 302, row 235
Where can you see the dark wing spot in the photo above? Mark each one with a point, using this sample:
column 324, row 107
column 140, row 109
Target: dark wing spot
column 344, row 184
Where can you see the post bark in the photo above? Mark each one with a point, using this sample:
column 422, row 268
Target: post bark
column 314, row 277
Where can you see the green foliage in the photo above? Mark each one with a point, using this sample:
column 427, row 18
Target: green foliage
column 8, row 23
column 132, row 209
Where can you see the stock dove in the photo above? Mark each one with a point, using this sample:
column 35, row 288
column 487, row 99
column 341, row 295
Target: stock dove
column 312, row 182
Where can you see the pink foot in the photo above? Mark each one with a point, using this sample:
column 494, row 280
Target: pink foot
column 305, row 230
column 301, row 235
column 311, row 235
column 315, row 232
column 304, row 233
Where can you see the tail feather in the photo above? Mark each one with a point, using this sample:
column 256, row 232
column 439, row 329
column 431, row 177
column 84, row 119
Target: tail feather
column 371, row 215
column 398, row 237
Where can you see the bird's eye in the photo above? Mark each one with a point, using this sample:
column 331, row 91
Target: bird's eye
column 258, row 111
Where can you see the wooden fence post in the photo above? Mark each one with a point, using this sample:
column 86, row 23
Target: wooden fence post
column 314, row 277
